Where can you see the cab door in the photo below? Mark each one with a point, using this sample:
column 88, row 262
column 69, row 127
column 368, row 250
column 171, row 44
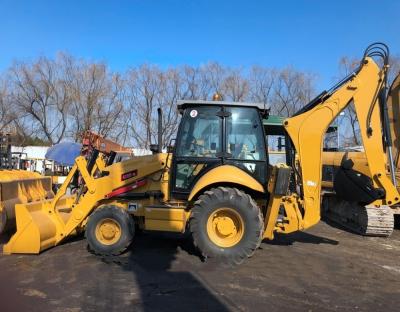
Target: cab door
column 198, row 147
column 244, row 141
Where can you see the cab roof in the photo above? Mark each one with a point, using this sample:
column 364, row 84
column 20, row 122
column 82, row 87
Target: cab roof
column 182, row 104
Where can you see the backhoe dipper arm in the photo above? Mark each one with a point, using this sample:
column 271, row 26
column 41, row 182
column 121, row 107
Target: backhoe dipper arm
column 307, row 130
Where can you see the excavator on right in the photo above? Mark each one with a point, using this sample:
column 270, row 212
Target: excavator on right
column 347, row 183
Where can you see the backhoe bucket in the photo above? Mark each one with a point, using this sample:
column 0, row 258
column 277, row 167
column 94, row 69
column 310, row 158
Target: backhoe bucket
column 38, row 227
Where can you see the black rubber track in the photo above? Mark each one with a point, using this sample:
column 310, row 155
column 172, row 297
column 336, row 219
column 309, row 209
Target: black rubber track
column 233, row 198
column 126, row 223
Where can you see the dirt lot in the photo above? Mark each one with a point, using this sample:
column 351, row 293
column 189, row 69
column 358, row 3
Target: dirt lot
column 324, row 269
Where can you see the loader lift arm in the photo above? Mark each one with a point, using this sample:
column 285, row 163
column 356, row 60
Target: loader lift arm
column 46, row 224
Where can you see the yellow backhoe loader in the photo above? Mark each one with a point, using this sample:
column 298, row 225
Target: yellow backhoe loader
column 217, row 182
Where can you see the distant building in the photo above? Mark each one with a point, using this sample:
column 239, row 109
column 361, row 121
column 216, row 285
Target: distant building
column 31, row 158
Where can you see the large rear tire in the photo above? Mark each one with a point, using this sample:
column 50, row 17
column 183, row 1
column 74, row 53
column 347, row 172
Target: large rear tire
column 226, row 224
column 109, row 231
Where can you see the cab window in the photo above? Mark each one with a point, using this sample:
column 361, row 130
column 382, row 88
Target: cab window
column 200, row 136
column 244, row 135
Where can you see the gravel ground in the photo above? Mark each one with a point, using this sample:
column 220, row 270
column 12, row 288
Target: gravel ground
column 323, row 269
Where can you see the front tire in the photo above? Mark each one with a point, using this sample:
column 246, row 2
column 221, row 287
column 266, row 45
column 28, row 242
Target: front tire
column 109, row 231
column 226, row 224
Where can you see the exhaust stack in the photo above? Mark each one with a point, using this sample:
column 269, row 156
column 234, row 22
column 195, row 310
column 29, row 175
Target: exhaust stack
column 157, row 148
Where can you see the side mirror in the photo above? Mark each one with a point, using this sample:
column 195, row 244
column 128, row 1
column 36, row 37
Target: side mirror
column 154, row 148
column 171, row 145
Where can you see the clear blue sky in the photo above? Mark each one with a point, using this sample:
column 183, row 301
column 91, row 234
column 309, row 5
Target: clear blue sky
column 310, row 35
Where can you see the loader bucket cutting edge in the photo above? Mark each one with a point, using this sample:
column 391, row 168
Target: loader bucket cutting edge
column 37, row 229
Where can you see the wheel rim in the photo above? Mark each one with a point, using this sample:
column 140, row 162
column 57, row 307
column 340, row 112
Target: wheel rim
column 225, row 227
column 108, row 231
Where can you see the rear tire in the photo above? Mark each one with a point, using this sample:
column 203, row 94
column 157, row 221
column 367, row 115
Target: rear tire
column 226, row 224
column 109, row 231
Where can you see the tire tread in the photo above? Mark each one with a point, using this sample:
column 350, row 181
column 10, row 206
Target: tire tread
column 208, row 199
column 125, row 244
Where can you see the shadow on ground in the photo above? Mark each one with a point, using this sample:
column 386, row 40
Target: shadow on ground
column 163, row 280
column 338, row 226
column 301, row 237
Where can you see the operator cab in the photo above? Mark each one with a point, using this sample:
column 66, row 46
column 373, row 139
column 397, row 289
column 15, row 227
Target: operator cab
column 215, row 133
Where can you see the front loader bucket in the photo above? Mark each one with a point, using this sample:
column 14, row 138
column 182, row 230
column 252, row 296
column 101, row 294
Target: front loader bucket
column 38, row 228
column 18, row 187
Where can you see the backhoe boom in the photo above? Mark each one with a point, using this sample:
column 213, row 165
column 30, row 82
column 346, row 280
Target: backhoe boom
column 307, row 131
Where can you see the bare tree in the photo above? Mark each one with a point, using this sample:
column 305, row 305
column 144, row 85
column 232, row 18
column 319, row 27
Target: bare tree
column 59, row 98
column 41, row 96
column 192, row 83
column 292, row 90
column 8, row 114
column 261, row 81
column 96, row 97
column 235, row 86
column 212, row 78
column 143, row 85
column 150, row 88
column 172, row 90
